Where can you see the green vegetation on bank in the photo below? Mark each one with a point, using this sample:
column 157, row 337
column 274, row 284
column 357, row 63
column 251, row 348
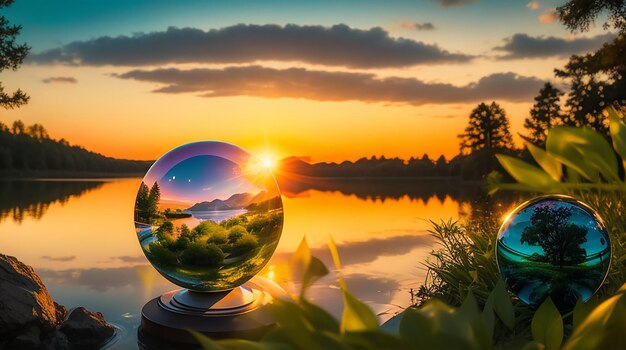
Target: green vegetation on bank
column 226, row 251
column 495, row 323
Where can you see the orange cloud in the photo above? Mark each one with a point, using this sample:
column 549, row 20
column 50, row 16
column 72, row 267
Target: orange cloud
column 549, row 16
column 533, row 5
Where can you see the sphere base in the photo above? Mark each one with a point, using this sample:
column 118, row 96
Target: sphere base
column 239, row 313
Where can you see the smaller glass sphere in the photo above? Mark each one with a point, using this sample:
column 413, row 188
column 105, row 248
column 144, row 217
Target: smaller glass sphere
column 553, row 246
column 208, row 216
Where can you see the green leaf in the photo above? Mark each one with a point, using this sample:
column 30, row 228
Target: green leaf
column 206, row 342
column 582, row 309
column 533, row 345
column 468, row 312
column 525, row 173
column 488, row 316
column 546, row 161
column 547, row 325
column 335, row 254
column 617, row 129
column 436, row 326
column 503, row 305
column 307, row 266
column 356, row 315
column 319, row 318
column 417, row 328
column 603, row 328
column 373, row 341
column 584, row 150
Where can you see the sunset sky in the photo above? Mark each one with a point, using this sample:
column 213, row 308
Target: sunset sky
column 332, row 80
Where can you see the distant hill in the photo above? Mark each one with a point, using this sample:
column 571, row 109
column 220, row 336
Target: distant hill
column 236, row 201
column 269, row 204
column 216, row 204
column 239, row 200
column 29, row 150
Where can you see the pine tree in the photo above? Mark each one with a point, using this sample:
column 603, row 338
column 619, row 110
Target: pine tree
column 11, row 57
column 142, row 197
column 488, row 128
column 543, row 115
column 153, row 200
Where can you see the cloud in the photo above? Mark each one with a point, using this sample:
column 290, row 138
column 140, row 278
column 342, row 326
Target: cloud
column 417, row 26
column 533, row 5
column 59, row 258
column 318, row 85
column 525, row 46
column 455, row 3
column 548, row 16
column 63, row 80
column 338, row 45
column 130, row 259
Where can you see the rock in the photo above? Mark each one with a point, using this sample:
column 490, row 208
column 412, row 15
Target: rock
column 24, row 298
column 56, row 341
column 29, row 339
column 85, row 328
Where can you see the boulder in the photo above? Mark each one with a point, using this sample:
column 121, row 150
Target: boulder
column 56, row 341
column 25, row 300
column 30, row 319
column 84, row 328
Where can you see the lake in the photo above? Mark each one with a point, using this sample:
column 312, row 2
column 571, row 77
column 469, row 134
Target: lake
column 79, row 236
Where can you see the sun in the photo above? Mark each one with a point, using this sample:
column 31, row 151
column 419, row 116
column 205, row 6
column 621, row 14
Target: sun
column 268, row 162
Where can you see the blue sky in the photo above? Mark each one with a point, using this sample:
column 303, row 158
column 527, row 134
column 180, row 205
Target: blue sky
column 399, row 77
column 50, row 23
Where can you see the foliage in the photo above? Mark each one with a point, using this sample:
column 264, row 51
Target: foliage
column 598, row 79
column 210, row 243
column 589, row 160
column 154, row 196
column 30, row 148
column 200, row 254
column 560, row 240
column 11, row 57
column 545, row 112
column 488, row 128
column 580, row 162
column 580, row 14
column 433, row 325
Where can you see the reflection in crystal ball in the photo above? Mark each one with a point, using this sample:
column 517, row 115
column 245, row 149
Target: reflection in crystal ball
column 553, row 246
column 208, row 216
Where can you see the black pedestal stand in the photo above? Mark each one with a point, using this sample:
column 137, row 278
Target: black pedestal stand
column 238, row 313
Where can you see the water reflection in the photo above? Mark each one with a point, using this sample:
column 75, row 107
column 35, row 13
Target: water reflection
column 383, row 188
column 85, row 248
column 20, row 199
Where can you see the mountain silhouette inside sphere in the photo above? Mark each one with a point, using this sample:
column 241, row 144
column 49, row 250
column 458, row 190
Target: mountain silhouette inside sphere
column 236, row 201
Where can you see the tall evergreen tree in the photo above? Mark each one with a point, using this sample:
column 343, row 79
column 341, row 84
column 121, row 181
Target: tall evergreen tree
column 543, row 115
column 11, row 57
column 141, row 205
column 488, row 128
column 154, row 196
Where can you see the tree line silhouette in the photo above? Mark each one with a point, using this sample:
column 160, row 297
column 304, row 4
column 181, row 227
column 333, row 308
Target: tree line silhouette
column 30, row 148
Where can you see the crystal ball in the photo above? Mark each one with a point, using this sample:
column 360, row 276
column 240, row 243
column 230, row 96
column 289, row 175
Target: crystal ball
column 553, row 246
column 208, row 216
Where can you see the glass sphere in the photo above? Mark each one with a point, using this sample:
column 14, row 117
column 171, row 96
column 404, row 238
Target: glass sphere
column 208, row 216
column 553, row 246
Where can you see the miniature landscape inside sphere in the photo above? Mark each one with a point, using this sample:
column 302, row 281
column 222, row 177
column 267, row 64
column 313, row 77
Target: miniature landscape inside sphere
column 553, row 246
column 208, row 216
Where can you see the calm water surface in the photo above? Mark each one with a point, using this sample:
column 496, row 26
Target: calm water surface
column 80, row 238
